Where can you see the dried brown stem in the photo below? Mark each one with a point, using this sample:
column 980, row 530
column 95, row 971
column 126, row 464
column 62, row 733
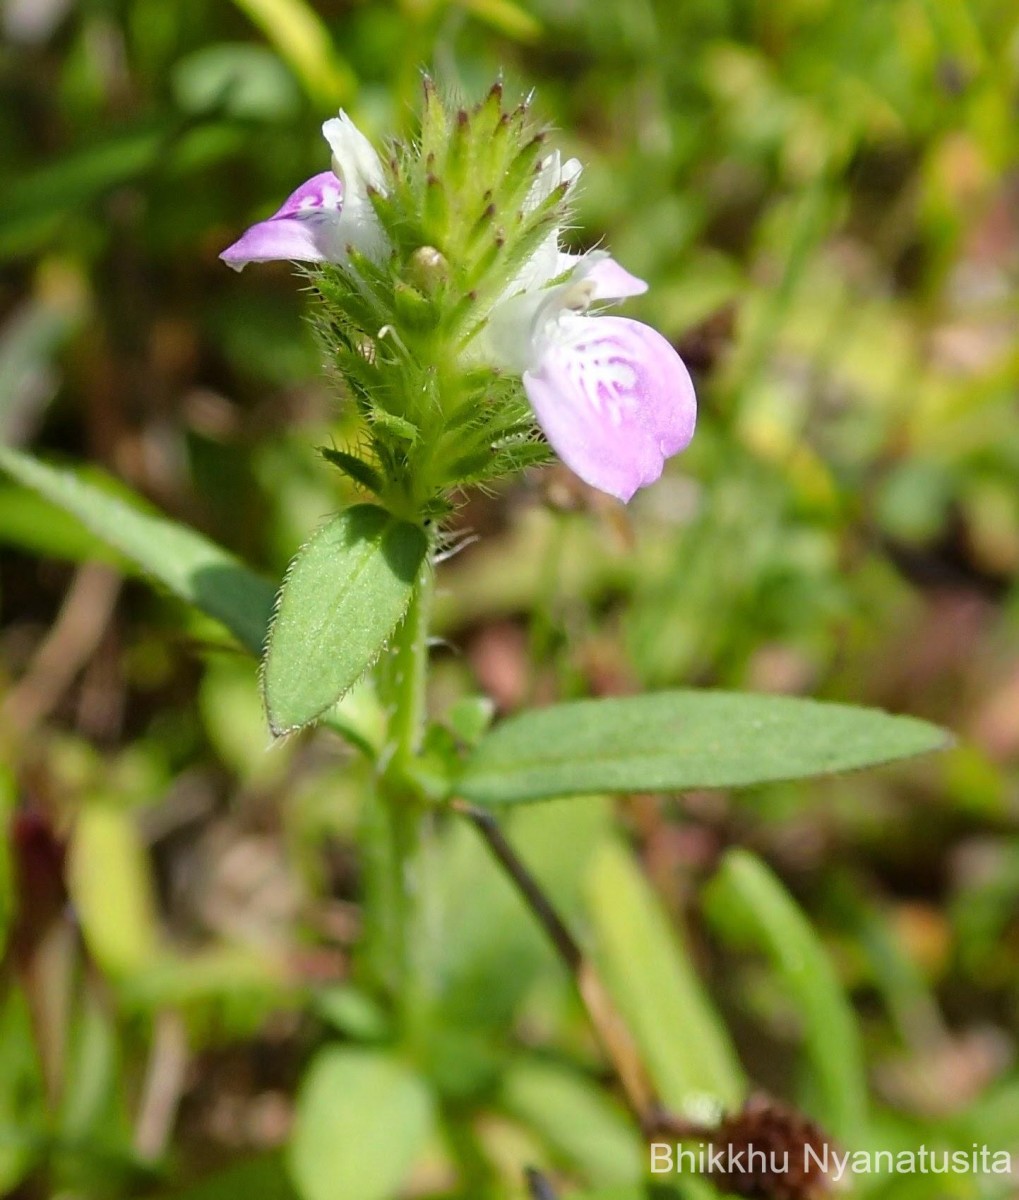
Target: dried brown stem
column 539, row 1186
column 612, row 1031
column 162, row 1088
column 77, row 631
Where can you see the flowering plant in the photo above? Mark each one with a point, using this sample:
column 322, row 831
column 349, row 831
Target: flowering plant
column 462, row 330
column 444, row 279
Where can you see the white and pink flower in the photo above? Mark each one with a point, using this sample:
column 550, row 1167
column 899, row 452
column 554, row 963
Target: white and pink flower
column 328, row 214
column 611, row 395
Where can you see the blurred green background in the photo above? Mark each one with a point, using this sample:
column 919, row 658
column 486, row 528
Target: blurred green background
column 824, row 197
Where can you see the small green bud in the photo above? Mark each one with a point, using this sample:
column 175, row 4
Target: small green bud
column 428, row 270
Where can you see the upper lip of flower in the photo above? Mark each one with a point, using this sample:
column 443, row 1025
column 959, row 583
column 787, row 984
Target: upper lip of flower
column 523, row 321
column 327, row 214
column 355, row 160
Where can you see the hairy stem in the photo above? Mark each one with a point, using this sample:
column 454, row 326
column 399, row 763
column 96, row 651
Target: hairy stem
column 401, row 811
column 409, row 677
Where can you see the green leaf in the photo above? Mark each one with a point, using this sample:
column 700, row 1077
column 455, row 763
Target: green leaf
column 493, row 950
column 240, row 979
column 470, row 717
column 355, row 468
column 750, row 905
column 234, row 721
column 361, row 719
column 246, row 81
column 264, row 1177
column 23, row 1108
column 36, row 525
column 191, row 566
column 344, row 594
column 668, row 741
column 302, row 39
column 648, row 971
column 33, row 207
column 353, row 1012
column 362, row 1119
column 393, row 423
column 577, row 1120
column 88, row 1105
column 111, row 884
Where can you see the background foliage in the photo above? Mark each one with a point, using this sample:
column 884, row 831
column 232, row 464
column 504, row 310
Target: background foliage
column 823, row 197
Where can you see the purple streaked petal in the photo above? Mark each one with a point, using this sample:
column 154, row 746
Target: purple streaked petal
column 319, row 196
column 303, row 229
column 614, row 400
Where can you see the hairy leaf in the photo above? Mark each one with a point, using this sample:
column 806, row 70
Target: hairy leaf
column 684, row 739
column 345, row 593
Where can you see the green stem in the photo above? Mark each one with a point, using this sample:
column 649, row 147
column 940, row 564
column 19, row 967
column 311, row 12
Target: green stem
column 402, row 810
column 542, row 632
column 409, row 675
column 476, row 1174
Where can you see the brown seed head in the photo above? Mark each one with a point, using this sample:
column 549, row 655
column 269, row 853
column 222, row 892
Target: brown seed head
column 784, row 1170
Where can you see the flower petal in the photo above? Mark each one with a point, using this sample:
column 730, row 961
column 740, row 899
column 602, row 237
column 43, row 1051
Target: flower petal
column 355, row 159
column 546, row 263
column 614, row 400
column 552, row 172
column 540, row 269
column 358, row 165
column 321, row 196
column 608, row 280
column 303, row 229
column 613, row 282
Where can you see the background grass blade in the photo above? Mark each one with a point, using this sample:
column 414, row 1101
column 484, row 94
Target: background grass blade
column 749, row 905
column 299, row 35
column 183, row 561
column 648, row 971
